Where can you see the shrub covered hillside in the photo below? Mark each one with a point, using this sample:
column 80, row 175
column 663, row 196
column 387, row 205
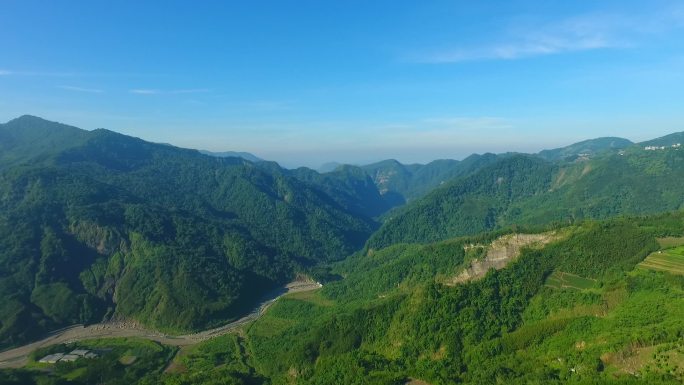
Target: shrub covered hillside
column 97, row 222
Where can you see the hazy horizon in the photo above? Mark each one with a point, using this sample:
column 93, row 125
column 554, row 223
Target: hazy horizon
column 318, row 160
column 353, row 83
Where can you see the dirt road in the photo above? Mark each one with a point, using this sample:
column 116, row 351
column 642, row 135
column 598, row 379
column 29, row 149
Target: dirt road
column 18, row 357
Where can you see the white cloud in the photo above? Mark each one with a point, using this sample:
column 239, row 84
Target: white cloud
column 81, row 89
column 582, row 33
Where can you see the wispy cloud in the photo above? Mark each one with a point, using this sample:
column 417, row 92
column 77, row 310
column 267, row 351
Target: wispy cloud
column 467, row 123
column 576, row 34
column 190, row 91
column 149, row 91
column 37, row 73
column 81, row 89
column 544, row 45
column 144, row 91
column 262, row 105
column 446, row 132
column 73, row 74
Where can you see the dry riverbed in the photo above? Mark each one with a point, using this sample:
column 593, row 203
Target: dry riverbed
column 18, row 357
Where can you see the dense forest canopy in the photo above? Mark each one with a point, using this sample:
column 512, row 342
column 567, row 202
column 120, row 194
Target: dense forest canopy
column 528, row 190
column 95, row 224
column 396, row 317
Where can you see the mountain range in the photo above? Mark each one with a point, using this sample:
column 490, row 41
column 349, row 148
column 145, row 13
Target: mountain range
column 97, row 225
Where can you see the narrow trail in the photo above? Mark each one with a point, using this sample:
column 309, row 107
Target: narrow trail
column 18, row 357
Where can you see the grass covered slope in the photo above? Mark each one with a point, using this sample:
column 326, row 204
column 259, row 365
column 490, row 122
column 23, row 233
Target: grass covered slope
column 169, row 237
column 523, row 190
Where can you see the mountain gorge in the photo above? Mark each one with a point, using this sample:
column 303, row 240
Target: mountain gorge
column 97, row 223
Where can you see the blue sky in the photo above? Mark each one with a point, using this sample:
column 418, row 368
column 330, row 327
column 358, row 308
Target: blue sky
column 306, row 82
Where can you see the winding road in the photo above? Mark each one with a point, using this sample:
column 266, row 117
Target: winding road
column 18, row 357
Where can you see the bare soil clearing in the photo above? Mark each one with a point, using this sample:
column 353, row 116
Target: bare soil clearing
column 500, row 253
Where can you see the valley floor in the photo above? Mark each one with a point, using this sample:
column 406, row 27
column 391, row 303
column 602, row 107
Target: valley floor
column 18, row 357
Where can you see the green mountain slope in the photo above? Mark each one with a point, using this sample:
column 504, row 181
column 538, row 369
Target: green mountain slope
column 393, row 317
column 586, row 148
column 467, row 205
column 573, row 305
column 399, row 183
column 29, row 137
column 349, row 186
column 521, row 190
column 667, row 140
column 109, row 224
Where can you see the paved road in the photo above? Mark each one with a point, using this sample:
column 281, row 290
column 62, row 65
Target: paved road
column 18, row 357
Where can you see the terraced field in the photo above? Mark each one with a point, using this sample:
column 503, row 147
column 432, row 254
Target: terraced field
column 562, row 280
column 668, row 242
column 671, row 260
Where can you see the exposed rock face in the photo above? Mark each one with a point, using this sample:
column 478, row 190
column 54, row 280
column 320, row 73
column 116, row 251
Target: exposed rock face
column 499, row 254
column 105, row 241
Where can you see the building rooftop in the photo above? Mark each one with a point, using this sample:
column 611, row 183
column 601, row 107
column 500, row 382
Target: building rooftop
column 52, row 358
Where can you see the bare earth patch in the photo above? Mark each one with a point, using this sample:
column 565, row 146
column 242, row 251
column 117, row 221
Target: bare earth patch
column 500, row 253
column 413, row 381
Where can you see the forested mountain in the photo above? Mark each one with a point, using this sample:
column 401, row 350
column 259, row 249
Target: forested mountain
column 523, row 189
column 572, row 305
column 578, row 309
column 349, row 186
column 328, row 167
column 399, row 183
column 586, row 148
column 97, row 222
column 667, row 140
column 29, row 138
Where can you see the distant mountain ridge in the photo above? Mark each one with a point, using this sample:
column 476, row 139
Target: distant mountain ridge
column 233, row 154
column 527, row 189
column 30, row 137
column 328, row 167
column 586, row 148
column 667, row 140
column 400, row 183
